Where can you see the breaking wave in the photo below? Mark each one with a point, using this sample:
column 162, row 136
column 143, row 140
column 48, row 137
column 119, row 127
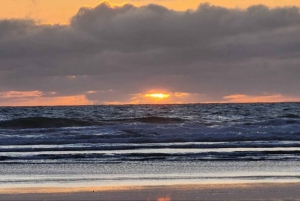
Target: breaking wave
column 43, row 122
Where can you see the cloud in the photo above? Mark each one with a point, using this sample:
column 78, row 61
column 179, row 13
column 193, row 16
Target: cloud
column 207, row 54
column 242, row 98
column 169, row 98
column 20, row 94
column 37, row 98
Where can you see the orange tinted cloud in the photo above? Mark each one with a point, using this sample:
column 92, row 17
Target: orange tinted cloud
column 20, row 94
column 37, row 98
column 161, row 98
column 242, row 98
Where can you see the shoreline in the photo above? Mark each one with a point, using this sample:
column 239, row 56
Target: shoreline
column 217, row 191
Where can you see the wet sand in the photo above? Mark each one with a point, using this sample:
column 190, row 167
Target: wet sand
column 254, row 191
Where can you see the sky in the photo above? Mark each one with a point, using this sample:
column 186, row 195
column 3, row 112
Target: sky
column 81, row 52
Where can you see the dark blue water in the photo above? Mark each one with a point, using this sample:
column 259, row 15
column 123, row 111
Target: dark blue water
column 206, row 132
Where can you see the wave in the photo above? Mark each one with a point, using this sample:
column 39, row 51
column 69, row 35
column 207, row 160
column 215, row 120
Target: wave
column 276, row 122
column 120, row 146
column 47, row 122
column 290, row 116
column 159, row 120
column 42, row 122
column 151, row 156
column 151, row 119
column 149, row 133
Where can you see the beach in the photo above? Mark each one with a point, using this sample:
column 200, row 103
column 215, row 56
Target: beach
column 158, row 181
column 243, row 191
column 151, row 152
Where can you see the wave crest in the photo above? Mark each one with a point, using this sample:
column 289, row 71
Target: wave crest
column 43, row 122
column 161, row 120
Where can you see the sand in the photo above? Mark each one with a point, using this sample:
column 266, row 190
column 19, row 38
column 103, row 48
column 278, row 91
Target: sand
column 254, row 191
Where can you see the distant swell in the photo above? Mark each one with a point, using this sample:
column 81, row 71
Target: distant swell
column 153, row 120
column 47, row 122
column 291, row 116
column 161, row 120
column 43, row 122
column 276, row 122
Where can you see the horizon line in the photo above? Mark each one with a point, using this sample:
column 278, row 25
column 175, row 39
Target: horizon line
column 139, row 104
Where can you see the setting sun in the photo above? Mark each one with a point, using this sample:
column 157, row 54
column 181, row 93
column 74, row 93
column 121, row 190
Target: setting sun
column 158, row 96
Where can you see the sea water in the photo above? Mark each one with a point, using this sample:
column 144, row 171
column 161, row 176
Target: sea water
column 149, row 144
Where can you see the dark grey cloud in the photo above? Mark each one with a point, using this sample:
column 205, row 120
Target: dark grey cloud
column 212, row 50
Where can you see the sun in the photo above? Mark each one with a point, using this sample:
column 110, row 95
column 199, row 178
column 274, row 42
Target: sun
column 158, row 96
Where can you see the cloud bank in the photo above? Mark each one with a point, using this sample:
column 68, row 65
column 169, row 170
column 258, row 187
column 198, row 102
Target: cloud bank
column 114, row 54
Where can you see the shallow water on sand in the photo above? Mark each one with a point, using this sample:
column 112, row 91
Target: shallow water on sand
column 146, row 173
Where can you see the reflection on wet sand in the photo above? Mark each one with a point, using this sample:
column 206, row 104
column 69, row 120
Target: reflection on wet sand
column 255, row 191
column 48, row 190
column 164, row 199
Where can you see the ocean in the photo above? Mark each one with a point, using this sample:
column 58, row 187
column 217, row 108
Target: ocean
column 149, row 144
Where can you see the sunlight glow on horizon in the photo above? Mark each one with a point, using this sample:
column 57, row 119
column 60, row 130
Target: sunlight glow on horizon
column 158, row 95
